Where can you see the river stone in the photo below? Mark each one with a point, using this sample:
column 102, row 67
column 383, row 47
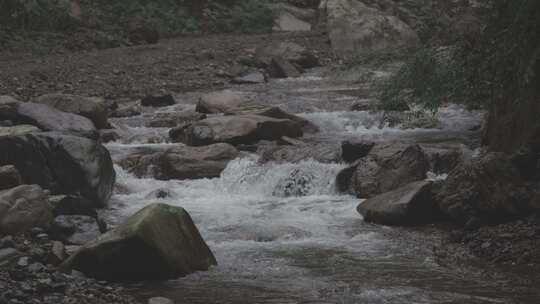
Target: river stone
column 273, row 112
column 289, row 51
column 8, row 108
column 7, row 255
column 181, row 162
column 250, row 77
column 158, row 101
column 281, row 68
column 18, row 130
column 487, row 189
column 92, row 108
column 219, row 102
column 23, row 208
column 158, row 242
column 61, row 163
column 75, row 229
column 51, row 119
column 9, row 177
column 354, row 27
column 412, row 204
column 160, row 300
column 241, row 129
column 173, row 119
column 351, row 151
column 287, row 22
column 387, row 167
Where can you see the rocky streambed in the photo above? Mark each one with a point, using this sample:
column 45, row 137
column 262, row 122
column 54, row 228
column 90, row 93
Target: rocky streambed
column 271, row 173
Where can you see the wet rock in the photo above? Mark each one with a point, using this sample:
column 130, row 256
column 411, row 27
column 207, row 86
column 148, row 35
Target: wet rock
column 324, row 153
column 158, row 101
column 242, row 129
column 23, row 208
column 387, row 167
column 412, row 204
column 281, row 68
column 273, row 112
column 7, row 255
column 158, row 242
column 51, row 119
column 181, row 162
column 126, row 111
column 355, row 27
column 173, row 119
column 160, row 300
column 252, row 77
column 58, row 253
column 92, row 108
column 61, row 163
column 161, row 194
column 9, row 177
column 75, row 229
column 8, row 108
column 489, row 188
column 351, row 151
column 297, row 183
column 72, row 205
column 107, row 136
column 289, row 51
column 18, row 130
column 219, row 102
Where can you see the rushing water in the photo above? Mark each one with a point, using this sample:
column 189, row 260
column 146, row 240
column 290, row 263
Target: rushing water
column 282, row 242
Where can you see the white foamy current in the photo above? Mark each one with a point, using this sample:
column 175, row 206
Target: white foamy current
column 282, row 234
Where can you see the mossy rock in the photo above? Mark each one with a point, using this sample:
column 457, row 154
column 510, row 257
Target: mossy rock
column 157, row 242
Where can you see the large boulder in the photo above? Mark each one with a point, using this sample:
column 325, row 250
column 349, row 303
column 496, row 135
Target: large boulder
column 219, row 102
column 51, row 119
column 242, row 129
column 289, row 18
column 354, row 27
column 412, row 204
column 92, row 108
column 61, row 163
column 487, row 189
column 180, row 162
column 23, row 208
column 158, row 242
column 387, row 167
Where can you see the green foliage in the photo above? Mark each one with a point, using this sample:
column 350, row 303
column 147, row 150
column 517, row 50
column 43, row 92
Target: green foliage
column 428, row 78
column 497, row 64
column 246, row 16
column 35, row 15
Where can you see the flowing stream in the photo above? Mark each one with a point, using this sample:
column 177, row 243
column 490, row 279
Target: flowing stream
column 315, row 248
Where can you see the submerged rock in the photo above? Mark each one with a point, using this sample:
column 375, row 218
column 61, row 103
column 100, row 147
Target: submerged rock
column 63, row 164
column 158, row 242
column 241, row 129
column 23, row 208
column 412, row 204
column 92, row 108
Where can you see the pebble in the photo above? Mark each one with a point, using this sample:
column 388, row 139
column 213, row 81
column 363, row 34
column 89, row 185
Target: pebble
column 23, row 262
column 160, row 300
